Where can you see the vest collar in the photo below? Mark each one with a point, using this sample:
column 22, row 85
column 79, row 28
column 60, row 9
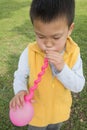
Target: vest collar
column 70, row 47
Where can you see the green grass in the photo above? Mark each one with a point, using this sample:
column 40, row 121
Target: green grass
column 15, row 33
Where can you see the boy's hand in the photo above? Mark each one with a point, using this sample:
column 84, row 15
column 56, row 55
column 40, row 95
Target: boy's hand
column 55, row 58
column 18, row 99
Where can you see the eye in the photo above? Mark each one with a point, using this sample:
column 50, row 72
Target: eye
column 41, row 37
column 56, row 38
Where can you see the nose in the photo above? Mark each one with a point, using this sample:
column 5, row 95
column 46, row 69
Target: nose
column 48, row 44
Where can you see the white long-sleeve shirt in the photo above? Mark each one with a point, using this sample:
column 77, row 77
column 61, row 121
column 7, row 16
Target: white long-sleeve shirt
column 72, row 79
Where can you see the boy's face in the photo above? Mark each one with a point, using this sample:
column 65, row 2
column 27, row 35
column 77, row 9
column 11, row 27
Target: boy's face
column 52, row 35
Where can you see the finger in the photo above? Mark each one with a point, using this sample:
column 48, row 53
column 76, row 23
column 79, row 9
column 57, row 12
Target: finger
column 18, row 102
column 54, row 57
column 10, row 104
column 32, row 101
column 13, row 104
column 21, row 98
column 56, row 53
column 50, row 49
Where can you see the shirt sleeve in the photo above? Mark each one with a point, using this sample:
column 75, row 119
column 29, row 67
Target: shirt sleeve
column 73, row 79
column 22, row 73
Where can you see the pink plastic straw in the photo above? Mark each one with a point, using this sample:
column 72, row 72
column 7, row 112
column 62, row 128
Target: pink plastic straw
column 36, row 82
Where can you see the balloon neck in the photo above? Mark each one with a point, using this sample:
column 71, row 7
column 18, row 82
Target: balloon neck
column 27, row 98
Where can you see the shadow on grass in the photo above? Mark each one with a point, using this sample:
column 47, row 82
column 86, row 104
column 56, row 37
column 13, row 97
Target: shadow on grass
column 8, row 7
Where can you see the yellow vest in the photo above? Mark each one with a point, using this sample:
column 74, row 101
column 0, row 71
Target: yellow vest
column 52, row 100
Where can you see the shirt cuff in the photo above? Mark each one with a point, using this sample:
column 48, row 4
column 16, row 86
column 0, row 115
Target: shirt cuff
column 18, row 89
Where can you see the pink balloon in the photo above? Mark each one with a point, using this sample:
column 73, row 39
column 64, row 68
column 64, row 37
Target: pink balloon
column 22, row 116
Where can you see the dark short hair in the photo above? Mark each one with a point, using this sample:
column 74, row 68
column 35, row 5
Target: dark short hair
column 49, row 10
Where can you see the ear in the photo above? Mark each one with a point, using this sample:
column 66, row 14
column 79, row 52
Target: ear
column 71, row 29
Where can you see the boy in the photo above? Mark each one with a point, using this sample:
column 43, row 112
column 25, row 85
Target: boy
column 53, row 24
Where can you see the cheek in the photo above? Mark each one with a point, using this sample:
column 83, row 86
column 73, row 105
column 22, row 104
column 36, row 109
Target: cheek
column 41, row 44
column 60, row 45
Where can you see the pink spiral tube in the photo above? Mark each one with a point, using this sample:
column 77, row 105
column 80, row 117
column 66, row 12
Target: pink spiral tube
column 21, row 117
column 36, row 82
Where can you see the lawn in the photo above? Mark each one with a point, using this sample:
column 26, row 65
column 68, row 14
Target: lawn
column 16, row 32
